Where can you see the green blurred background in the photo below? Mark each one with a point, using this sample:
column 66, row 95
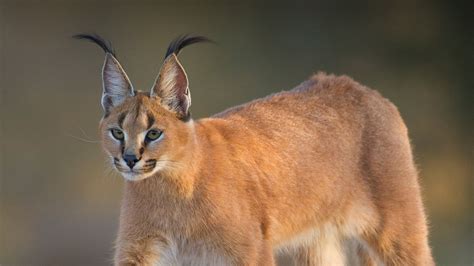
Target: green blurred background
column 59, row 200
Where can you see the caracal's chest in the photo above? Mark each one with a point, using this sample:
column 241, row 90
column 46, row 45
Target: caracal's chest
column 182, row 252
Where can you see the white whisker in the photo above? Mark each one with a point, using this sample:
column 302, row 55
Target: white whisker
column 85, row 137
column 82, row 139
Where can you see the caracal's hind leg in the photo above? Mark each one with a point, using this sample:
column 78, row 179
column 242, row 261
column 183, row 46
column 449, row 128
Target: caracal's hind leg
column 401, row 236
column 401, row 247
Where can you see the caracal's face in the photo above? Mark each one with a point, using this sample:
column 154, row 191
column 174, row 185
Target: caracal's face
column 145, row 133
column 141, row 137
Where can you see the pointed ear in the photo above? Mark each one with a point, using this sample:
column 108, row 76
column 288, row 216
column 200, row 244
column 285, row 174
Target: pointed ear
column 116, row 85
column 171, row 86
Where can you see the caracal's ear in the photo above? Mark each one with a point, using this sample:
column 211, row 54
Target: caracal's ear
column 115, row 82
column 171, row 85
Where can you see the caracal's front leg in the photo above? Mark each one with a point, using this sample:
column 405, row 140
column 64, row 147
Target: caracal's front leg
column 138, row 252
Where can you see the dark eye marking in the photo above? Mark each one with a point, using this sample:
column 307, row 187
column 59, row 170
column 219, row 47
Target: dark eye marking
column 151, row 120
column 121, row 118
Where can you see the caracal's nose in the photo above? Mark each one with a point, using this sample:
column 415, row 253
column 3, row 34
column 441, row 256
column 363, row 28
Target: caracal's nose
column 130, row 159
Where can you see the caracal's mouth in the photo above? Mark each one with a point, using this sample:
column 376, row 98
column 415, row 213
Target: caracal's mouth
column 138, row 172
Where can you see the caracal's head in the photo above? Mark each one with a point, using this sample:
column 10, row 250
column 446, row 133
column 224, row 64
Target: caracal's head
column 145, row 132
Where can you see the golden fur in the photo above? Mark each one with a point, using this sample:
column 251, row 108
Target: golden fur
column 322, row 171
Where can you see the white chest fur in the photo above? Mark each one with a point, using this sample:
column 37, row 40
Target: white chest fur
column 180, row 252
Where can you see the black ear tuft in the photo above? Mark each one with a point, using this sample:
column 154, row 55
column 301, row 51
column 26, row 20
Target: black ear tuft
column 104, row 44
column 182, row 41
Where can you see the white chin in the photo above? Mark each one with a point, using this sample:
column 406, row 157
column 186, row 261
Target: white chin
column 135, row 176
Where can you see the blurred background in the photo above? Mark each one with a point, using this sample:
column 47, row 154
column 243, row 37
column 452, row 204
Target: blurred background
column 59, row 201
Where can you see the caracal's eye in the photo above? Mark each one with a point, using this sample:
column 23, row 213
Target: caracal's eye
column 153, row 135
column 117, row 133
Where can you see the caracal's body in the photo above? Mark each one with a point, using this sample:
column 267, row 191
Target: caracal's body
column 324, row 171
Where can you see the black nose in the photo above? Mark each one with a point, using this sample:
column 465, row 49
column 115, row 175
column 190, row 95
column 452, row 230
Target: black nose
column 130, row 159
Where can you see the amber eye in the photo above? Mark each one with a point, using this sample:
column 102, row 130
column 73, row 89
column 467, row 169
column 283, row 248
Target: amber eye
column 153, row 135
column 117, row 133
